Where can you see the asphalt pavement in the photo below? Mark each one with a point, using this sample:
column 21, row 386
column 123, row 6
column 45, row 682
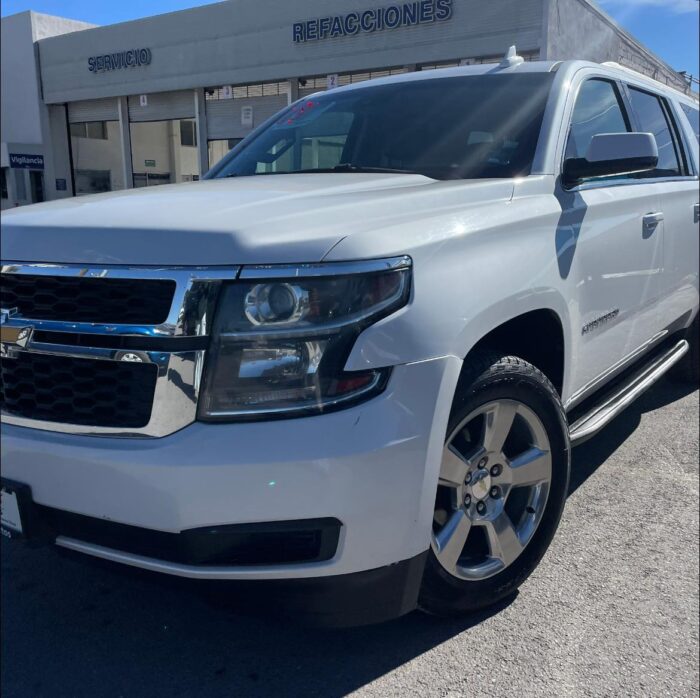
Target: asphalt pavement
column 611, row 611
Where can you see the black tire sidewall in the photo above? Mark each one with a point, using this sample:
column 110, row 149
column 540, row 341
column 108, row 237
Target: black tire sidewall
column 443, row 593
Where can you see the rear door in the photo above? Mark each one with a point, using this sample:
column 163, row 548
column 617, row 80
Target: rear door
column 676, row 175
column 609, row 245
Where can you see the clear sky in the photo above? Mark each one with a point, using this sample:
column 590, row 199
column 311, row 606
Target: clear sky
column 667, row 27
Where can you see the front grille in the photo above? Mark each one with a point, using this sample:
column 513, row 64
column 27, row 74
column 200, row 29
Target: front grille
column 88, row 299
column 77, row 391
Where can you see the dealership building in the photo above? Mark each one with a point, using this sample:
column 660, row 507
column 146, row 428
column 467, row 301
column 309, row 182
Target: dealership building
column 159, row 100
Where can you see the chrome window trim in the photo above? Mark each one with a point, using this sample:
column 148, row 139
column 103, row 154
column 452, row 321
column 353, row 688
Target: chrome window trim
column 179, row 372
column 631, row 181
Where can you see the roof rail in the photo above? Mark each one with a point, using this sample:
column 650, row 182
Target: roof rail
column 627, row 69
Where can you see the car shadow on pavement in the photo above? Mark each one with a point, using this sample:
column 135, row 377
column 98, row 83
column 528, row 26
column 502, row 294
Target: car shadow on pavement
column 590, row 455
column 108, row 630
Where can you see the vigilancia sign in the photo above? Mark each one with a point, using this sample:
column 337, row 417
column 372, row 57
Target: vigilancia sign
column 132, row 58
column 407, row 14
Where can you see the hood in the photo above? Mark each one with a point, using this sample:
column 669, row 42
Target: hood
column 247, row 220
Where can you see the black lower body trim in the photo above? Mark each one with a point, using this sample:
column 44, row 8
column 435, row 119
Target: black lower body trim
column 337, row 601
column 345, row 600
column 267, row 543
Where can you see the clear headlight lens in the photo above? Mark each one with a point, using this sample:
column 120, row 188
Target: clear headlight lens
column 279, row 345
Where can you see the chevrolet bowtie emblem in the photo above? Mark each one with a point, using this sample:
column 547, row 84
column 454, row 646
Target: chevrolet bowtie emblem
column 12, row 337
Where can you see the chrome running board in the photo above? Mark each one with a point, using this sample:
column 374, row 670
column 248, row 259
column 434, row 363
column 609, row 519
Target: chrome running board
column 625, row 394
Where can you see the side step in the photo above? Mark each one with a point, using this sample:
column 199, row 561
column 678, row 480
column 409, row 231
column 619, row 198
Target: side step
column 625, row 394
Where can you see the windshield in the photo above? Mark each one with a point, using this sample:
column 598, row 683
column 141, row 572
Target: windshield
column 465, row 127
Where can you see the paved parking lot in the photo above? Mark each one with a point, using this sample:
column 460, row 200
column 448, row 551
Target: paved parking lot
column 612, row 610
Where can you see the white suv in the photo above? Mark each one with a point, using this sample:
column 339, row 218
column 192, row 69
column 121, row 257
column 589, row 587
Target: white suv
column 356, row 356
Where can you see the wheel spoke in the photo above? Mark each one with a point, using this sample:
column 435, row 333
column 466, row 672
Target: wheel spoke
column 453, row 467
column 531, row 467
column 502, row 539
column 451, row 539
column 498, row 421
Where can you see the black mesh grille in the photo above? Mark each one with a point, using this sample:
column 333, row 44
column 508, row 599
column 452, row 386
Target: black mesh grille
column 77, row 391
column 86, row 299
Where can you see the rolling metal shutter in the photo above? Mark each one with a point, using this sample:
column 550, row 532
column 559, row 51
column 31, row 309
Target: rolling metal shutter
column 162, row 106
column 93, row 110
column 224, row 115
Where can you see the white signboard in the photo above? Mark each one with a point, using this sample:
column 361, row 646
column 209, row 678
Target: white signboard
column 143, row 100
column 227, row 92
column 246, row 116
column 332, row 81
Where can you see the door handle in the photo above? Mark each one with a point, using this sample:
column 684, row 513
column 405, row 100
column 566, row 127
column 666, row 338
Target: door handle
column 696, row 213
column 651, row 220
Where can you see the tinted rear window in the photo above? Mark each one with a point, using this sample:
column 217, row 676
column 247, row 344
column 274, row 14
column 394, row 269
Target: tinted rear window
column 653, row 119
column 694, row 118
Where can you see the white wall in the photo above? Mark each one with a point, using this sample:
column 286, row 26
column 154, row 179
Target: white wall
column 25, row 123
column 19, row 94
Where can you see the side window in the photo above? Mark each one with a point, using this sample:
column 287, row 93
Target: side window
column 652, row 119
column 694, row 118
column 598, row 109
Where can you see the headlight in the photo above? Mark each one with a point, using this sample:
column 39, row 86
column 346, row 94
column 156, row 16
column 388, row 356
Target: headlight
column 280, row 344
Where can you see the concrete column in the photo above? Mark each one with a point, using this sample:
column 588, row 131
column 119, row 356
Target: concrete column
column 125, row 135
column 200, row 112
column 293, row 92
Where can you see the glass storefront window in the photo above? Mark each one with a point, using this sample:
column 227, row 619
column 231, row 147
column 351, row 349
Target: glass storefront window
column 162, row 152
column 97, row 156
column 89, row 129
column 219, row 148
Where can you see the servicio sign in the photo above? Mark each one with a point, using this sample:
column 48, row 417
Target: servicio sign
column 131, row 58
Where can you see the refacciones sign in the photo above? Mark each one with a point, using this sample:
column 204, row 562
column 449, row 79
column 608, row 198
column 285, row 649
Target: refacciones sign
column 405, row 14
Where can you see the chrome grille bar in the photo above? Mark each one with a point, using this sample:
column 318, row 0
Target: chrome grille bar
column 179, row 371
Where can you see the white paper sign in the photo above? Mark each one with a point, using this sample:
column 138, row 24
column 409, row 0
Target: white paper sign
column 246, row 116
column 332, row 81
column 143, row 100
column 227, row 92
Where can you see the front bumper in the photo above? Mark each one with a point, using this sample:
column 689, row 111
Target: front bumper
column 373, row 467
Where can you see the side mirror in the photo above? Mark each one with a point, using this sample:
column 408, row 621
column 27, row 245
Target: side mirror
column 611, row 154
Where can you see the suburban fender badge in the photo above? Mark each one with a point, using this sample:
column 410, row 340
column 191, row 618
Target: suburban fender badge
column 12, row 338
column 598, row 322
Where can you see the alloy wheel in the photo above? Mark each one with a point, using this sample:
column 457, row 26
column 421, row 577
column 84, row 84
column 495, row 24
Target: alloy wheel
column 494, row 482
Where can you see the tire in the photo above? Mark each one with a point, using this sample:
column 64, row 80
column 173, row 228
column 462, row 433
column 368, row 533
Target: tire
column 688, row 368
column 462, row 577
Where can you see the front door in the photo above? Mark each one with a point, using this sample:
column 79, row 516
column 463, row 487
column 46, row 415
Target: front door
column 610, row 247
